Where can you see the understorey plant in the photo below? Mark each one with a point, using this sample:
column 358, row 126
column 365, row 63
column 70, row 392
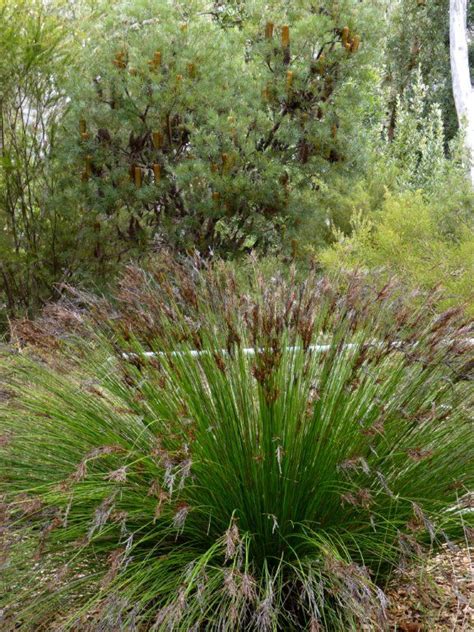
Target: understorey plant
column 222, row 456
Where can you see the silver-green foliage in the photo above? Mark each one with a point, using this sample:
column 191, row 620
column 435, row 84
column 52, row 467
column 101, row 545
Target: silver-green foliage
column 203, row 127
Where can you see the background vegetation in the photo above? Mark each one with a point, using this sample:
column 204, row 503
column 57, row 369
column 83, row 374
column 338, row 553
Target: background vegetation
column 224, row 127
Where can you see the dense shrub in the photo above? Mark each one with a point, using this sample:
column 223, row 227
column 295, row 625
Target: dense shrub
column 199, row 125
column 285, row 448
column 210, row 128
column 426, row 243
column 413, row 216
column 129, row 126
column 408, row 166
column 35, row 49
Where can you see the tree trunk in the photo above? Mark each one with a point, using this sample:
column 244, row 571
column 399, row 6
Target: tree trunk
column 462, row 88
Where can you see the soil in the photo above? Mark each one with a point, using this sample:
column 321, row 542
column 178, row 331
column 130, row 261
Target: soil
column 436, row 598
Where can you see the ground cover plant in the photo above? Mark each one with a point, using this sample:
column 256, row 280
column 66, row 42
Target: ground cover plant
column 209, row 455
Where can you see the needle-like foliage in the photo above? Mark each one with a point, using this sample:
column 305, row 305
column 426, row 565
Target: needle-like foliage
column 218, row 457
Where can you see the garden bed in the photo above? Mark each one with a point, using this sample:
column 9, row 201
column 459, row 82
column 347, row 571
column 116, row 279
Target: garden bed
column 437, row 598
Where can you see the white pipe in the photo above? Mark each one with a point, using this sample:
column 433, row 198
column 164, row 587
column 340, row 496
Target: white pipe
column 246, row 351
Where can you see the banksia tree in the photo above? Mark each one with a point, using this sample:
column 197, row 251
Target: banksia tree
column 158, row 93
column 222, row 457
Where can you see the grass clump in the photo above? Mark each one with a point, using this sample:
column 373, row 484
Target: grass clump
column 281, row 452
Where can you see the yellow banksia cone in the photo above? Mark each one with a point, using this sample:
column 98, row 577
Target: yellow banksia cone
column 285, row 36
column 233, row 129
column 345, row 35
column 289, row 79
column 157, row 172
column 120, row 60
column 157, row 139
column 227, row 162
column 355, row 44
column 294, row 248
column 284, row 180
column 137, row 174
column 88, row 167
column 155, row 63
column 192, row 70
column 269, row 30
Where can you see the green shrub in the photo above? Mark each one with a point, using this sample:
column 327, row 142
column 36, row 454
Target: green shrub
column 228, row 489
column 35, row 48
column 412, row 166
column 414, row 215
column 126, row 126
column 204, row 129
column 420, row 241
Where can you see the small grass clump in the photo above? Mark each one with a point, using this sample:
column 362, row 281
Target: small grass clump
column 213, row 456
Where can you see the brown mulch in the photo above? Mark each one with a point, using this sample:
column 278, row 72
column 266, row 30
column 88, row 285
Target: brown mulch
column 439, row 597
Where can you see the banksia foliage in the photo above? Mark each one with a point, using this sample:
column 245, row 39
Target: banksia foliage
column 222, row 457
column 276, row 73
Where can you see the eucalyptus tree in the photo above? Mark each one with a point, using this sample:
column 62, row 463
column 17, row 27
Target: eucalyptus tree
column 462, row 86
